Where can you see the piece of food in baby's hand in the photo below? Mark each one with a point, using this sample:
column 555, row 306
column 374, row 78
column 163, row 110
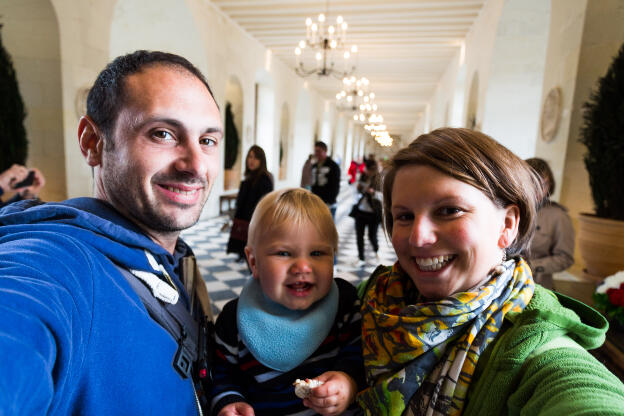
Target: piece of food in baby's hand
column 304, row 387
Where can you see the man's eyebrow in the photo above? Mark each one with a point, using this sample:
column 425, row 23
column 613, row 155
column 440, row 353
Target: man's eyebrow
column 140, row 122
column 214, row 130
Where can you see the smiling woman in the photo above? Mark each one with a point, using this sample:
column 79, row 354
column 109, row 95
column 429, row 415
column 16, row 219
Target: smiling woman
column 440, row 323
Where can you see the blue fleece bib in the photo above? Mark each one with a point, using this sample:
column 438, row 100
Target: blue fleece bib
column 278, row 337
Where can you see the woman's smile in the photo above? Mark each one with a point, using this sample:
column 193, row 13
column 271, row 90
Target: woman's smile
column 435, row 263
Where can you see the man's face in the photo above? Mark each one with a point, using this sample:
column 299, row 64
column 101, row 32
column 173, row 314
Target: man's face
column 319, row 153
column 165, row 156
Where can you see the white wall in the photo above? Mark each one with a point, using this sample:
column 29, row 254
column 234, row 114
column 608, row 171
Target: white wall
column 562, row 56
column 443, row 100
column 479, row 47
column 514, row 86
column 84, row 29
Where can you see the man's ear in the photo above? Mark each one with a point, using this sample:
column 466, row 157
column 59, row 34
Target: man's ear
column 91, row 141
column 251, row 259
column 510, row 227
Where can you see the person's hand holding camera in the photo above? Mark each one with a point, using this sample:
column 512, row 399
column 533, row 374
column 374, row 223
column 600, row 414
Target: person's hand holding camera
column 32, row 191
column 26, row 182
column 12, row 176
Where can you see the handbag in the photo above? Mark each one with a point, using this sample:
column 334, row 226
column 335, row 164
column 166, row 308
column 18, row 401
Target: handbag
column 377, row 208
column 240, row 228
column 354, row 210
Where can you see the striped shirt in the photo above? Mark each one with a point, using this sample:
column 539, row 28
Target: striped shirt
column 239, row 377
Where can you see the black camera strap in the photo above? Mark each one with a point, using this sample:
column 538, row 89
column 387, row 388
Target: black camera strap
column 175, row 319
column 194, row 339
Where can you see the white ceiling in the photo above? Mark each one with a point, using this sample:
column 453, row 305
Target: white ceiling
column 404, row 45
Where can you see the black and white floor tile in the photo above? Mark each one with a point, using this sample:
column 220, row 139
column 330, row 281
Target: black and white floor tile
column 225, row 277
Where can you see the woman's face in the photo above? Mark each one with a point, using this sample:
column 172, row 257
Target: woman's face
column 447, row 234
column 253, row 162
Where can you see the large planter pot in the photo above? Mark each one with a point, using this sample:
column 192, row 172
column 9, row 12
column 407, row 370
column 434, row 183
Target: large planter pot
column 601, row 242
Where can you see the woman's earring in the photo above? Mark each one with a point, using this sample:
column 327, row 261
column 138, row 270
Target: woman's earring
column 500, row 268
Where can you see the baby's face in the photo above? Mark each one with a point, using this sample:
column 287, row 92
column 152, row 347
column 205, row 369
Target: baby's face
column 294, row 265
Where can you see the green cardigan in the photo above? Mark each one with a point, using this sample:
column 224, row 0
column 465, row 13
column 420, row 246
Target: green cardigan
column 538, row 364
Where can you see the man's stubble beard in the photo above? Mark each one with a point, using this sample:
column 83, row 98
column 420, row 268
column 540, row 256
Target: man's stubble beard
column 127, row 195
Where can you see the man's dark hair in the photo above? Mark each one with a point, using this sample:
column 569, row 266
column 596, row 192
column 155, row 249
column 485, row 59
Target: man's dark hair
column 322, row 145
column 108, row 95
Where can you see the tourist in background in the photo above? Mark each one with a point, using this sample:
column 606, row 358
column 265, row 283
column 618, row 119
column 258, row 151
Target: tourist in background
column 368, row 212
column 256, row 183
column 325, row 177
column 306, row 172
column 552, row 247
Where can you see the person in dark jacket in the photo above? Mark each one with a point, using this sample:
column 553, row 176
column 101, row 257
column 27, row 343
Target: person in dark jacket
column 325, row 177
column 256, row 184
column 76, row 336
column 368, row 213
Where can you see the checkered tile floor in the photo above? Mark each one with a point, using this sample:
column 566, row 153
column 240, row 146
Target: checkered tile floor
column 225, row 277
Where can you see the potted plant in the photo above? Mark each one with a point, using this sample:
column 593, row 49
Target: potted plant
column 601, row 235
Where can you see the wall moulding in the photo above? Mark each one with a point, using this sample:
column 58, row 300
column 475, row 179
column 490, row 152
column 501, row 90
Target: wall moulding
column 551, row 114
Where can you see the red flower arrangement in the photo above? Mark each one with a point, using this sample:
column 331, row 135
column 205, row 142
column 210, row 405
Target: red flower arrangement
column 609, row 297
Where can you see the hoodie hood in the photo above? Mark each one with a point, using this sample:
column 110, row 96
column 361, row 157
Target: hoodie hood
column 94, row 222
column 557, row 314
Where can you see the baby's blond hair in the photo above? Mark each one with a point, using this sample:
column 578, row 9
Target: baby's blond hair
column 293, row 207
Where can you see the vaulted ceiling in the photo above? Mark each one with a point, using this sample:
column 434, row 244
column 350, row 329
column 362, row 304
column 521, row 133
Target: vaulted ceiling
column 404, row 46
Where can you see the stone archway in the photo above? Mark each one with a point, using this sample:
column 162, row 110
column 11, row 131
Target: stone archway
column 265, row 119
column 233, row 152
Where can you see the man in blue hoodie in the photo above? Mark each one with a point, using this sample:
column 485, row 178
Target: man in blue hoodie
column 80, row 280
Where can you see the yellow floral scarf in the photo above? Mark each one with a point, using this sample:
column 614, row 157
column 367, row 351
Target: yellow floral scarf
column 420, row 358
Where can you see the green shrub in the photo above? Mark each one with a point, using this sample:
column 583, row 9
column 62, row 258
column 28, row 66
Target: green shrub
column 231, row 138
column 603, row 134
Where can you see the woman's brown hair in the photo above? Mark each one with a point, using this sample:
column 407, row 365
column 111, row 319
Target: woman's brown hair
column 254, row 175
column 478, row 160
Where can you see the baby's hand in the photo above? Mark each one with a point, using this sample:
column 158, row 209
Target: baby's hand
column 237, row 409
column 334, row 396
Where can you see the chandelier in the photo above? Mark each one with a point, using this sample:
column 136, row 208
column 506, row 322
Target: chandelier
column 378, row 130
column 327, row 43
column 355, row 98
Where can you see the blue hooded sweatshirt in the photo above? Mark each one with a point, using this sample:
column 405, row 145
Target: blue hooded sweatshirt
column 74, row 336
